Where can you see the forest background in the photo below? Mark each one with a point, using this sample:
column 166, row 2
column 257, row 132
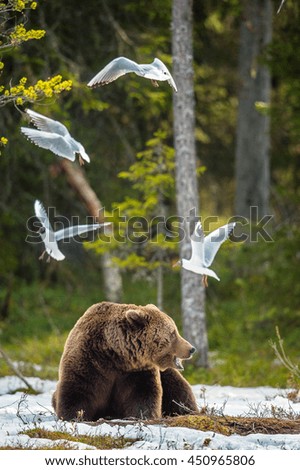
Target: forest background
column 123, row 127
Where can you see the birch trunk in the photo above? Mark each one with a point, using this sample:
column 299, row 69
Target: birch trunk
column 192, row 291
column 253, row 127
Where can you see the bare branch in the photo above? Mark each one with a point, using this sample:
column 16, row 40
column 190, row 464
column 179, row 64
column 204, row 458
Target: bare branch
column 280, row 6
column 118, row 29
column 15, row 370
column 281, row 355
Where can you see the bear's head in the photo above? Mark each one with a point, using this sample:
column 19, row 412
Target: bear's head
column 153, row 339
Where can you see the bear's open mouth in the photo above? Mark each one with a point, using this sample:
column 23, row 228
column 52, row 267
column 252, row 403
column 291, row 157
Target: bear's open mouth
column 178, row 363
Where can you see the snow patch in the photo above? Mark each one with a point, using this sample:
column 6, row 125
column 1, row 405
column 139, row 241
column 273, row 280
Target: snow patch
column 20, row 412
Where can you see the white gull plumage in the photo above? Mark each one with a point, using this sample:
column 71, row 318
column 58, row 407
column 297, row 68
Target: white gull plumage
column 156, row 71
column 53, row 135
column 50, row 238
column 204, row 250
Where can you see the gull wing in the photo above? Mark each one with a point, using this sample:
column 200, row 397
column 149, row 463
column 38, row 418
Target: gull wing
column 42, row 215
column 115, row 69
column 77, row 230
column 55, row 252
column 197, row 242
column 54, row 142
column 214, row 240
column 46, row 124
column 49, row 236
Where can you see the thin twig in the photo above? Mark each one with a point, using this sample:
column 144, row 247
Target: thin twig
column 281, row 355
column 118, row 29
column 280, row 6
column 15, row 370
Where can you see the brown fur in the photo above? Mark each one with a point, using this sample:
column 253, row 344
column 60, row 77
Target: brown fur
column 119, row 361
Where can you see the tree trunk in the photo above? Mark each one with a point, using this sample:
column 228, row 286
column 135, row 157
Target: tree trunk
column 253, row 127
column 77, row 180
column 192, row 291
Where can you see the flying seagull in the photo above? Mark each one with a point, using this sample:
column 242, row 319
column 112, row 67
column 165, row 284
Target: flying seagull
column 204, row 250
column 157, row 71
column 50, row 238
column 53, row 135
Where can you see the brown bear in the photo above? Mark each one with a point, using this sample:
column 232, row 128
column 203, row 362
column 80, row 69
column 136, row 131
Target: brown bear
column 121, row 361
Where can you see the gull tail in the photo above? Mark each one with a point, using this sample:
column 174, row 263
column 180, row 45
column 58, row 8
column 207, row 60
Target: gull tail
column 195, row 268
column 210, row 272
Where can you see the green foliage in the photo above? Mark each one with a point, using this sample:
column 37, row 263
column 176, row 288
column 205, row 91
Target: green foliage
column 257, row 294
column 285, row 67
column 3, row 142
column 280, row 353
column 38, row 322
column 153, row 172
column 21, row 94
column 258, row 289
column 139, row 239
column 243, row 313
column 12, row 37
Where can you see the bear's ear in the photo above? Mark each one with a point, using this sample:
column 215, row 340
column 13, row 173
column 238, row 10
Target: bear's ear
column 152, row 306
column 136, row 318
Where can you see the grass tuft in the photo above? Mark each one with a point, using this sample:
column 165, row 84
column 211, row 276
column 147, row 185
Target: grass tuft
column 228, row 425
column 100, row 442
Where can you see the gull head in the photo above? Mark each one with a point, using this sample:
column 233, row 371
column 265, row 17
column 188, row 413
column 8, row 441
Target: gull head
column 161, row 67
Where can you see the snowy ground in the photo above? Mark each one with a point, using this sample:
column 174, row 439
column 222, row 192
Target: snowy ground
column 19, row 412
